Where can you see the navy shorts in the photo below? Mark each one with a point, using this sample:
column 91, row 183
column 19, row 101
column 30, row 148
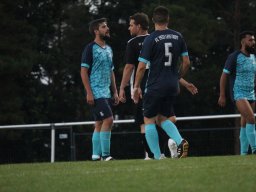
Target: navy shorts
column 154, row 105
column 101, row 109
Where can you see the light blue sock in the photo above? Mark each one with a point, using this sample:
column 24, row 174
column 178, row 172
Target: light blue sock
column 250, row 132
column 171, row 130
column 96, row 147
column 105, row 143
column 244, row 143
column 153, row 140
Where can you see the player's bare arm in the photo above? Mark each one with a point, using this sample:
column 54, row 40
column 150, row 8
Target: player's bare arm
column 222, row 97
column 114, row 89
column 128, row 69
column 189, row 86
column 184, row 65
column 87, row 86
column 137, row 93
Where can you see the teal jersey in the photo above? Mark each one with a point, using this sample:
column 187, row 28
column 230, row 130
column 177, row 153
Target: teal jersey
column 242, row 69
column 99, row 62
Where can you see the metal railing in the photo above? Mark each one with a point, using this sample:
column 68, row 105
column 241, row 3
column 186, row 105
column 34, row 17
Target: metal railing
column 54, row 126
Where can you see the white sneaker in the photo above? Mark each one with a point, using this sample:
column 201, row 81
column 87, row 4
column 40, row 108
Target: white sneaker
column 96, row 158
column 109, row 158
column 173, row 148
column 162, row 156
column 146, row 156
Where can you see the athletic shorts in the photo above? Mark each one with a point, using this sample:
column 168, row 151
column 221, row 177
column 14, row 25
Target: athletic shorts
column 101, row 109
column 154, row 105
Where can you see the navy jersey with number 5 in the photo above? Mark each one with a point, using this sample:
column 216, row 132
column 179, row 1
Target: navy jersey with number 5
column 162, row 50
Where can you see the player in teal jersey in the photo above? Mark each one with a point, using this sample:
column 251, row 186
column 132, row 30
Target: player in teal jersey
column 97, row 77
column 240, row 67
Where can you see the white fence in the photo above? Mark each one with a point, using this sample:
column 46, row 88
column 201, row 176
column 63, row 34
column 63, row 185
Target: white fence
column 53, row 126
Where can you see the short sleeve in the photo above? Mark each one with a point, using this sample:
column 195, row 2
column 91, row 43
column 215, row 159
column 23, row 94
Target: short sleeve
column 146, row 50
column 184, row 49
column 87, row 56
column 130, row 54
column 230, row 64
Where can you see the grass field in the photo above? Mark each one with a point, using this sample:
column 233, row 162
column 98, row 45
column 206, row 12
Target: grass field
column 223, row 173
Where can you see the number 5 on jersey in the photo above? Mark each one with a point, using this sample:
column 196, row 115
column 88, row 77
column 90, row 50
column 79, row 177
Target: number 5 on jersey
column 168, row 54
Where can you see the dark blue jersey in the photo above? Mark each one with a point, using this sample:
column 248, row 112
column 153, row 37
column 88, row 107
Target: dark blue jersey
column 162, row 50
column 132, row 53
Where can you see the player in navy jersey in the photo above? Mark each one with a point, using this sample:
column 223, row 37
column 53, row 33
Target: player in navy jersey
column 161, row 51
column 97, row 77
column 139, row 24
column 240, row 67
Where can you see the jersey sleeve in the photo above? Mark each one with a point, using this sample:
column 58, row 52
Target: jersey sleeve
column 146, row 50
column 87, row 57
column 230, row 64
column 184, row 49
column 130, row 55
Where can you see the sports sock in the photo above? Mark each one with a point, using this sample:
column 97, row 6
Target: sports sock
column 152, row 140
column 96, row 146
column 105, row 143
column 145, row 145
column 163, row 139
column 244, row 143
column 250, row 132
column 172, row 131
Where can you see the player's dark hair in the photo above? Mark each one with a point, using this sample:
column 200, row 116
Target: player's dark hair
column 244, row 33
column 94, row 25
column 141, row 19
column 161, row 15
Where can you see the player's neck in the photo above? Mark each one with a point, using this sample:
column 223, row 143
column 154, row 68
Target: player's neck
column 161, row 27
column 142, row 32
column 243, row 50
column 100, row 42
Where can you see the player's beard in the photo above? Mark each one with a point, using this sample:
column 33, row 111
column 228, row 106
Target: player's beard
column 105, row 37
column 250, row 50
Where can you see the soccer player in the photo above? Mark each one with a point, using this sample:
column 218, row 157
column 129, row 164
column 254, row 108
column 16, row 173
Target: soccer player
column 97, row 77
column 139, row 24
column 240, row 67
column 161, row 51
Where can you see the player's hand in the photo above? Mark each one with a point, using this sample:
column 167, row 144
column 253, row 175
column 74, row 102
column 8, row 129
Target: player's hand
column 115, row 99
column 222, row 101
column 137, row 95
column 122, row 97
column 192, row 88
column 90, row 99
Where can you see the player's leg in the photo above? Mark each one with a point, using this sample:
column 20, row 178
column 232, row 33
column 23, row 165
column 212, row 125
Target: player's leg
column 148, row 153
column 150, row 105
column 165, row 140
column 96, row 145
column 170, row 128
column 246, row 109
column 105, row 138
column 139, row 121
column 244, row 143
column 105, row 113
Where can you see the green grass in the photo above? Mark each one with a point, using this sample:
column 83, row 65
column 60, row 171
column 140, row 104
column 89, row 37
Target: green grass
column 224, row 173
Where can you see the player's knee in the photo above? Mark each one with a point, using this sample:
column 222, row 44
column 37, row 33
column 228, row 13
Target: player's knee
column 173, row 119
column 108, row 121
